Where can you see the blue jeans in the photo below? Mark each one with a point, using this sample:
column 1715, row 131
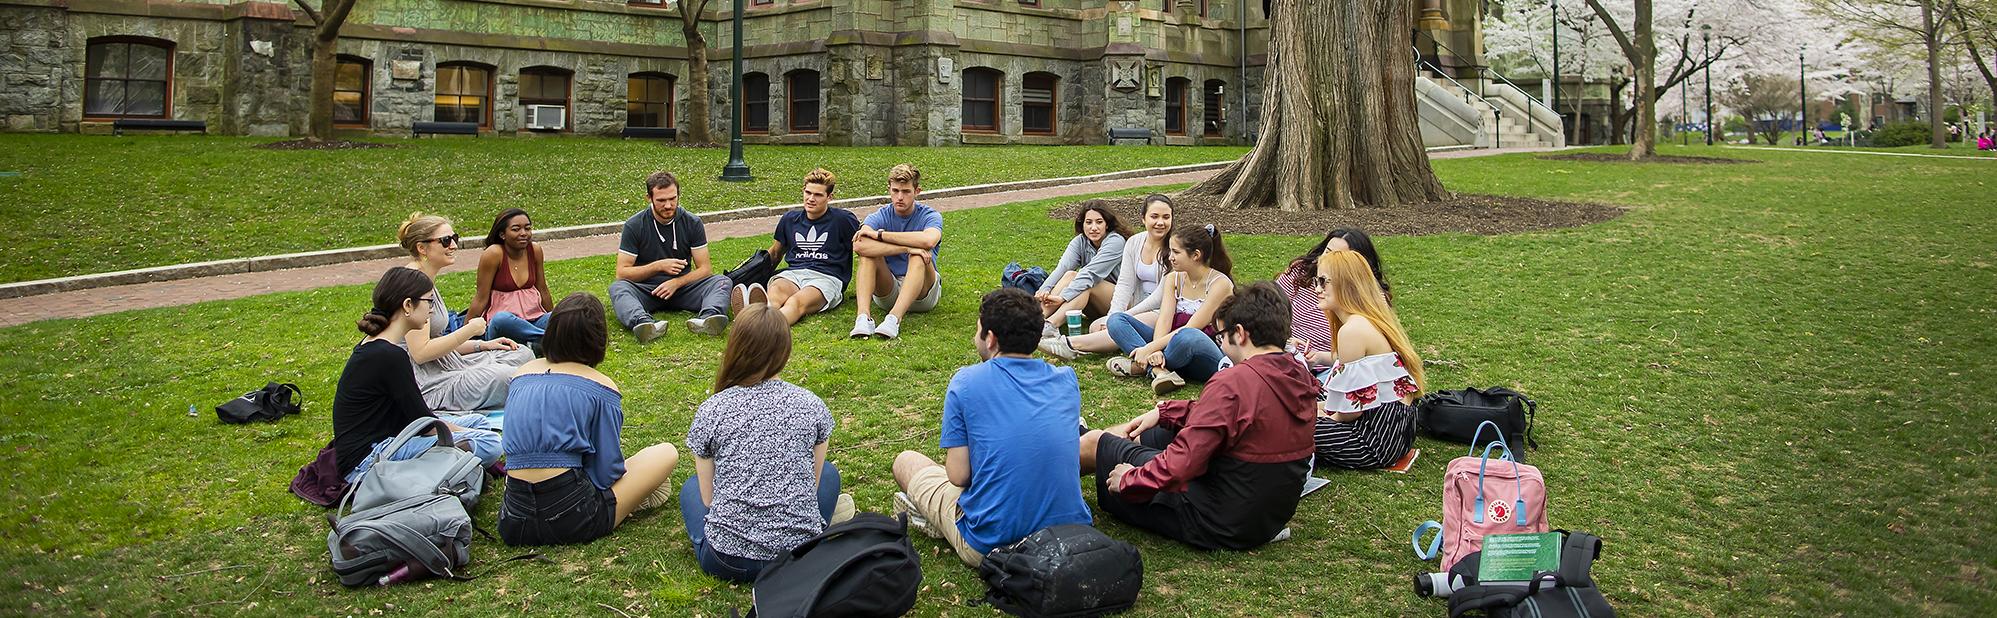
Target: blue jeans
column 1190, row 353
column 519, row 329
column 478, row 431
column 731, row 568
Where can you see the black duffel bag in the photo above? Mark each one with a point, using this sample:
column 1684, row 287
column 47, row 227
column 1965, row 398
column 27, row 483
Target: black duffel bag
column 757, row 269
column 272, row 402
column 862, row 567
column 1567, row 593
column 1069, row 570
column 1455, row 415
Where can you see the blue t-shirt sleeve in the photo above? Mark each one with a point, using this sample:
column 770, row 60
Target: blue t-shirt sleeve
column 932, row 220
column 778, row 235
column 879, row 219
column 852, row 225
column 954, row 432
column 696, row 234
column 607, row 464
column 628, row 241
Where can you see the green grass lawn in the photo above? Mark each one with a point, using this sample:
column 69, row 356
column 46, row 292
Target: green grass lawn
column 85, row 205
column 1767, row 387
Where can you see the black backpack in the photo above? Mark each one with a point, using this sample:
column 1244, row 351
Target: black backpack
column 860, row 568
column 757, row 268
column 1455, row 415
column 1069, row 570
column 269, row 403
column 1571, row 592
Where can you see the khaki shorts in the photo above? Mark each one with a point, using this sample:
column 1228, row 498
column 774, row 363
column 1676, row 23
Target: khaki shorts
column 827, row 285
column 922, row 305
column 935, row 499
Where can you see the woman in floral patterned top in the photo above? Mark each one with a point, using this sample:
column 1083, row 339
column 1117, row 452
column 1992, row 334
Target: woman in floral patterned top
column 1365, row 417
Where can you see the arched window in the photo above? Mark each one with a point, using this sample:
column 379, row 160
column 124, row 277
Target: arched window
column 541, row 88
column 1037, row 103
column 352, row 77
column 1214, row 107
column 128, row 77
column 801, row 86
column 981, row 99
column 756, row 103
column 648, row 101
column 1175, row 105
column 464, row 93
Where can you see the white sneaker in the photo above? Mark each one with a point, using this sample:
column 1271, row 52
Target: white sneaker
column 863, row 327
column 711, row 325
column 662, row 496
column 1281, row 535
column 738, row 299
column 650, row 331
column 905, row 506
column 1057, row 346
column 1048, row 330
column 758, row 295
column 842, row 509
column 890, row 328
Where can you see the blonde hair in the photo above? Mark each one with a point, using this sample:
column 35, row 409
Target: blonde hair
column 416, row 229
column 821, row 176
column 1348, row 278
column 904, row 172
column 758, row 348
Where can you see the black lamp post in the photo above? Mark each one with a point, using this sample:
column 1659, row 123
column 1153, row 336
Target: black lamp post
column 1803, row 92
column 737, row 170
column 1705, row 35
column 1555, row 22
column 1685, row 114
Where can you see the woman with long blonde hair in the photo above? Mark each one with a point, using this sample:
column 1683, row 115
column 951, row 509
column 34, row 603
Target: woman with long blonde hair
column 1366, row 415
column 761, row 484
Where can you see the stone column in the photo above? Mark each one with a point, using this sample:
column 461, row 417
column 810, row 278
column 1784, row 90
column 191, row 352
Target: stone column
column 33, row 67
column 268, row 72
column 1125, row 105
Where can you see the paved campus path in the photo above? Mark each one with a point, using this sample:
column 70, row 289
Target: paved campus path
column 99, row 301
column 1863, row 152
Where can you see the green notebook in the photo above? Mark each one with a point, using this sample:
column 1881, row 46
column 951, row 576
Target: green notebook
column 1515, row 557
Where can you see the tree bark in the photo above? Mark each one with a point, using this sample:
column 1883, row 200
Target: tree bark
column 1641, row 50
column 695, row 126
column 1932, row 38
column 325, row 43
column 1339, row 128
column 1616, row 115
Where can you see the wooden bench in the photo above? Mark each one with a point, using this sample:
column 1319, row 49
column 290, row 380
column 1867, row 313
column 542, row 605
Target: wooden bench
column 119, row 126
column 650, row 133
column 1116, row 135
column 443, row 128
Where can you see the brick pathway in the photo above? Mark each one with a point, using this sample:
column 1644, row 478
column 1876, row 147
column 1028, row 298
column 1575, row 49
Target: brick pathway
column 99, row 301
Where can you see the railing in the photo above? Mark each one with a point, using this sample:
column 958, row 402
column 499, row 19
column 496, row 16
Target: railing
column 1439, row 72
column 1483, row 70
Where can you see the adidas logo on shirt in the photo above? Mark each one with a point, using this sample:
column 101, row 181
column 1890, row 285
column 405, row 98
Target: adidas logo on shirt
column 811, row 240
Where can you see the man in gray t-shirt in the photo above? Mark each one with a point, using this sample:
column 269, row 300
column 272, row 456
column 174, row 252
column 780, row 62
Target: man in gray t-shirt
column 662, row 264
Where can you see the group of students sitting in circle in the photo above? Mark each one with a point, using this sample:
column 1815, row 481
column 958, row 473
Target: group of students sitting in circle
column 1311, row 366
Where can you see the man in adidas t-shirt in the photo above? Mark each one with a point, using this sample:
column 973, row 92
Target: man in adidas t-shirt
column 817, row 244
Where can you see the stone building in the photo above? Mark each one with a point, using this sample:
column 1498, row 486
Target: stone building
column 847, row 72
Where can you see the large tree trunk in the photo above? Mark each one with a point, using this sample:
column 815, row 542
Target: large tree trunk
column 694, row 125
column 1338, row 113
column 1937, row 135
column 1616, row 115
column 1645, row 144
column 325, row 43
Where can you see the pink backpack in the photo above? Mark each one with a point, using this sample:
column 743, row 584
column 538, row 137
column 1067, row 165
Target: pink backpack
column 1484, row 496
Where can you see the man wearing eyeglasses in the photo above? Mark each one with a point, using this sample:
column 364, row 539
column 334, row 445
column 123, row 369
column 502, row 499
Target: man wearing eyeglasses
column 662, row 265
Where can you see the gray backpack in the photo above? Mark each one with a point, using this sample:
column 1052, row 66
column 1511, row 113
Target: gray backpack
column 411, row 538
column 443, row 469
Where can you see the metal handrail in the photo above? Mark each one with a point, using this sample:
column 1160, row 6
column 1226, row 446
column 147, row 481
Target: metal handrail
column 1486, row 69
column 1440, row 73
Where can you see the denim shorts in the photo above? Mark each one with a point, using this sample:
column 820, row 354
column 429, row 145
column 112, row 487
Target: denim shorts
column 563, row 510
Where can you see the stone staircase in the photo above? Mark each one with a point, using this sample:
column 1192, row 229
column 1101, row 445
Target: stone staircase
column 1510, row 127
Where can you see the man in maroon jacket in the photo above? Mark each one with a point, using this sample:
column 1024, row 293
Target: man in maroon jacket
column 1233, row 462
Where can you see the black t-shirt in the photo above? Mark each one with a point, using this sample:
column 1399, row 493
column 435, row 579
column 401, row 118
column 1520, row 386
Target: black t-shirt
column 824, row 245
column 376, row 397
column 648, row 240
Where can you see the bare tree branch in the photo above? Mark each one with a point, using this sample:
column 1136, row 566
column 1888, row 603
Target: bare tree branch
column 308, row 11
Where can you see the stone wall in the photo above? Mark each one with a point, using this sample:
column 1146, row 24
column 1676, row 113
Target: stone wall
column 597, row 84
column 199, row 67
column 270, row 61
column 34, row 64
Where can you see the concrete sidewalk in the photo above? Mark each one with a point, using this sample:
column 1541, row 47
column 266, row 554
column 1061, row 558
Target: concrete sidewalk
column 99, row 301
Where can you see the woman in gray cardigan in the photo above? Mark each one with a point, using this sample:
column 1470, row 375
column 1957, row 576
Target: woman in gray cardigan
column 1085, row 278
column 1144, row 263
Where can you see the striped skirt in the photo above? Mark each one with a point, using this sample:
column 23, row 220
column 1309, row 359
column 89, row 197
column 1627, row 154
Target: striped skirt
column 1376, row 439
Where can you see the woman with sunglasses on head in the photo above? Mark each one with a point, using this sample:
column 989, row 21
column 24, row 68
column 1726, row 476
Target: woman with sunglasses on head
column 512, row 287
column 456, row 369
column 377, row 394
column 1178, row 346
column 1312, row 336
column 1366, row 414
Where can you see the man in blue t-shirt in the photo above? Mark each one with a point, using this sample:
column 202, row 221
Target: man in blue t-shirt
column 662, row 264
column 897, row 251
column 1008, row 424
column 817, row 243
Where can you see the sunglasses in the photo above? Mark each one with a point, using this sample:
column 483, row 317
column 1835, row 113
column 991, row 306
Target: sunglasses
column 1318, row 283
column 447, row 241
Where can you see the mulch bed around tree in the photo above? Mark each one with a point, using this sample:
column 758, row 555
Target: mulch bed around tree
column 1598, row 157
column 306, row 144
column 1483, row 215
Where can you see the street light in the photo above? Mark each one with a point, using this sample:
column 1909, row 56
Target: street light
column 1555, row 22
column 1803, row 92
column 1705, row 35
column 737, row 170
column 1685, row 115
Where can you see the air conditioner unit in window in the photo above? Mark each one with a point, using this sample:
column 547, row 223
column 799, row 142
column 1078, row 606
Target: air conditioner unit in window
column 547, row 117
